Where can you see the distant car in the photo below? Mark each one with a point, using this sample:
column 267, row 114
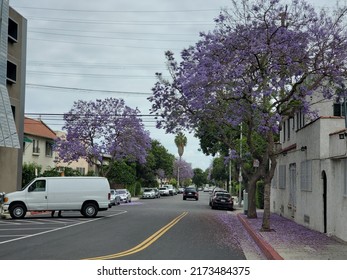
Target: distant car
column 172, row 189
column 180, row 190
column 164, row 191
column 115, row 198
column 190, row 192
column 124, row 195
column 157, row 193
column 149, row 193
column 222, row 200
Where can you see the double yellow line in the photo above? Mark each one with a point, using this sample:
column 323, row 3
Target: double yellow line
column 143, row 245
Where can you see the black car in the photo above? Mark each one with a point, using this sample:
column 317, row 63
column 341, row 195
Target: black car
column 222, row 200
column 190, row 192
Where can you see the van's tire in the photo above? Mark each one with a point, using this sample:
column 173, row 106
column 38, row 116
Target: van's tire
column 89, row 210
column 18, row 211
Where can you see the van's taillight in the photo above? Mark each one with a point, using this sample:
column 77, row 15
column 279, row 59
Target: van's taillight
column 109, row 196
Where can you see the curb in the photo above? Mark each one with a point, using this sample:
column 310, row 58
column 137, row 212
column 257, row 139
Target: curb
column 265, row 247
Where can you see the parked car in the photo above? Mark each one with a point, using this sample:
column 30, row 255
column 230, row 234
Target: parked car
column 115, row 198
column 180, row 190
column 157, row 193
column 124, row 195
column 149, row 193
column 213, row 193
column 171, row 189
column 190, row 192
column 164, row 191
column 222, row 200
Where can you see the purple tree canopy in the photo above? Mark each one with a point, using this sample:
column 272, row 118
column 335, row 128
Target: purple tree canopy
column 260, row 63
column 101, row 128
column 185, row 169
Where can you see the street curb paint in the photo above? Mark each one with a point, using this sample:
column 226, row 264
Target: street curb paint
column 265, row 247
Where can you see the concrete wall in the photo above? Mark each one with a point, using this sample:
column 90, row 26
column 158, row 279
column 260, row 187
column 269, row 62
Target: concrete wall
column 11, row 158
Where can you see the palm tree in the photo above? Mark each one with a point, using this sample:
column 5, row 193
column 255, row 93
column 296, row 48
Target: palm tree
column 181, row 142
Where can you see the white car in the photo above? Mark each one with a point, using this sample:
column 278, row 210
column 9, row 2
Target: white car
column 124, row 195
column 164, row 191
column 149, row 193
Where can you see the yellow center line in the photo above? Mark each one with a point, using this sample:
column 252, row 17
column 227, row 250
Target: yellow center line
column 143, row 245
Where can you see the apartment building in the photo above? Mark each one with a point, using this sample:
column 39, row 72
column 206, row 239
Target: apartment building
column 13, row 32
column 310, row 182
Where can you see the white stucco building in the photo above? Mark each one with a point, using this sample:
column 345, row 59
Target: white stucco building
column 310, row 182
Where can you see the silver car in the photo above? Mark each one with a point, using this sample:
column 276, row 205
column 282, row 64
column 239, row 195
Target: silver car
column 115, row 198
column 124, row 195
column 149, row 193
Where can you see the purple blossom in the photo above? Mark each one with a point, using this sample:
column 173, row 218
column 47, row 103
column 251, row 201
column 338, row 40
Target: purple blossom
column 103, row 128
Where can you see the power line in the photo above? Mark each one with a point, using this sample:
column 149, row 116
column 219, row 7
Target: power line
column 109, row 38
column 104, row 45
column 91, row 75
column 123, row 22
column 119, row 11
column 87, row 89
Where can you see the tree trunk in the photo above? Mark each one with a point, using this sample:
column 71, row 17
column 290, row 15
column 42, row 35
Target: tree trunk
column 267, row 183
column 252, row 209
column 266, row 216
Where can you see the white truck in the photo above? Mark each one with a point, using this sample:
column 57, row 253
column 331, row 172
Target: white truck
column 85, row 194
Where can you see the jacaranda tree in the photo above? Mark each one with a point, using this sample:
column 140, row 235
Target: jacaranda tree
column 103, row 129
column 261, row 63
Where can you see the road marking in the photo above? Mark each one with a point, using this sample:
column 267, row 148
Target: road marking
column 57, row 229
column 143, row 245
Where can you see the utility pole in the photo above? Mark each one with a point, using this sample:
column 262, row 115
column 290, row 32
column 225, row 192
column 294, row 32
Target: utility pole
column 240, row 172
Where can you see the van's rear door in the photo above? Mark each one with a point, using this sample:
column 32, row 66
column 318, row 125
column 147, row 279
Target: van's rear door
column 36, row 195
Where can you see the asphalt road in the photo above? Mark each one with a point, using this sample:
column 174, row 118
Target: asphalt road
column 168, row 228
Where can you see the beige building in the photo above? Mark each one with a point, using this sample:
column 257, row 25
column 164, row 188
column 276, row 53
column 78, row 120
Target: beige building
column 12, row 95
column 38, row 144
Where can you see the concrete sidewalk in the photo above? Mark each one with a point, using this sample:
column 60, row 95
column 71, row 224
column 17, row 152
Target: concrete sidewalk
column 290, row 241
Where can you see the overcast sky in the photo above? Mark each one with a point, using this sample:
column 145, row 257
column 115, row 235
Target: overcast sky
column 113, row 48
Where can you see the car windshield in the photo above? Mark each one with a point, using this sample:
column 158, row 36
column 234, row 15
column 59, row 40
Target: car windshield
column 121, row 192
column 162, row 188
column 148, row 190
column 190, row 189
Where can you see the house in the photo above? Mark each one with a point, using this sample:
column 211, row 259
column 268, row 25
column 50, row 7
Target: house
column 310, row 182
column 38, row 144
column 12, row 95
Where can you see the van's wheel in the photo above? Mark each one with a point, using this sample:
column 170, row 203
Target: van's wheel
column 89, row 210
column 18, row 211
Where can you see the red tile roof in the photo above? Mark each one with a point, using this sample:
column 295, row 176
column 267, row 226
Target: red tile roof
column 38, row 128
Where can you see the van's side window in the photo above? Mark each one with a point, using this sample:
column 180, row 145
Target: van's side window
column 38, row 186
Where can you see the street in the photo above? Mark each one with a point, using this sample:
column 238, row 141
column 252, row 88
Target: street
column 167, row 228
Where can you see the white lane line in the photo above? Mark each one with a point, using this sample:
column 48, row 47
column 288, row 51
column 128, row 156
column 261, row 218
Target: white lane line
column 57, row 229
column 11, row 235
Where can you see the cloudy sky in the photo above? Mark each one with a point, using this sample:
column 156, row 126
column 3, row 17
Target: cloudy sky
column 84, row 49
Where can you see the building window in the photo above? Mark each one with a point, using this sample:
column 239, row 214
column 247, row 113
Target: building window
column 81, row 170
column 12, row 30
column 284, row 131
column 339, row 109
column 49, row 149
column 36, row 149
column 306, row 175
column 11, row 72
column 282, row 177
column 288, row 129
column 300, row 120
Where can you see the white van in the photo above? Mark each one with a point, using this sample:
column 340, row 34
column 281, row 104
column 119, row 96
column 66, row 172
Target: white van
column 85, row 194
